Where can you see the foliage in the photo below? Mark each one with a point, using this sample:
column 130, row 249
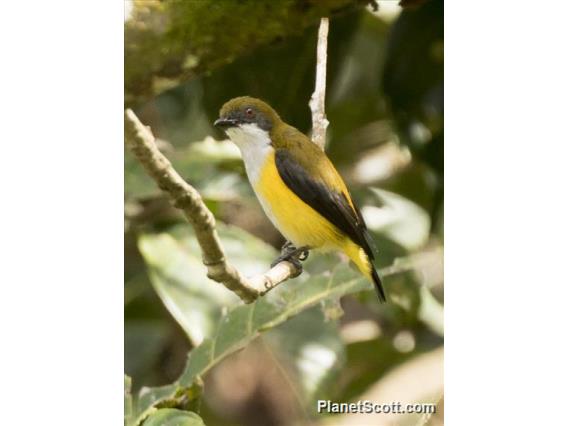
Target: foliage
column 198, row 304
column 179, row 277
column 173, row 417
column 245, row 322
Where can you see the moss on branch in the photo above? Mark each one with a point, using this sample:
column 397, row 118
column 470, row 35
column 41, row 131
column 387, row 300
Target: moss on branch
column 168, row 42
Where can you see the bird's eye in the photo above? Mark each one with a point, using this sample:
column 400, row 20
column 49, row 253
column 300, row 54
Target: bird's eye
column 249, row 112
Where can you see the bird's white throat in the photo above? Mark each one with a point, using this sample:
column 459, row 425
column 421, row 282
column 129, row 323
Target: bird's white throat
column 254, row 144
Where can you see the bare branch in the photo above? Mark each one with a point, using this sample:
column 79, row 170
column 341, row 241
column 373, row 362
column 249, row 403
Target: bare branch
column 143, row 144
column 317, row 101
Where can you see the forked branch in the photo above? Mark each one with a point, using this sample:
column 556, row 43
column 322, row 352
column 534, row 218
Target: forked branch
column 142, row 143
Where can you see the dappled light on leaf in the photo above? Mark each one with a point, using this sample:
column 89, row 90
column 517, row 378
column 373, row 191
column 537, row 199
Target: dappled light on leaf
column 399, row 219
column 360, row 331
column 314, row 358
column 180, row 278
column 210, row 150
column 311, row 349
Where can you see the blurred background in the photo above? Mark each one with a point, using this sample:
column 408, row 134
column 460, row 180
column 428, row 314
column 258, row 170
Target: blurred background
column 183, row 60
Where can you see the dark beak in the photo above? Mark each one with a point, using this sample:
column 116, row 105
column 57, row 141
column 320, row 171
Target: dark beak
column 225, row 123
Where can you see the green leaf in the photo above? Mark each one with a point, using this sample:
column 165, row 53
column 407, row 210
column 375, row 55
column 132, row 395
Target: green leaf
column 309, row 347
column 245, row 322
column 128, row 408
column 225, row 187
column 399, row 219
column 311, row 351
column 144, row 340
column 173, row 417
column 169, row 396
column 180, row 278
column 149, row 397
column 431, row 312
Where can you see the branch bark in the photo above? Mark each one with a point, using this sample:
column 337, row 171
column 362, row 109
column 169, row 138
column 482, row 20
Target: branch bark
column 142, row 143
column 317, row 101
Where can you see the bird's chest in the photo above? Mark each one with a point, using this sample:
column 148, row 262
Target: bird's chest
column 295, row 219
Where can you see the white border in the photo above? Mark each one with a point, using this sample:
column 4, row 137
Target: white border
column 61, row 161
column 506, row 212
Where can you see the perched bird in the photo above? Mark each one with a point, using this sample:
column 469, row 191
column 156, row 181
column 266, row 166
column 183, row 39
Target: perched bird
column 298, row 187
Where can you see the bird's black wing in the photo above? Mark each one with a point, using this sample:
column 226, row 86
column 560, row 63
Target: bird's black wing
column 331, row 204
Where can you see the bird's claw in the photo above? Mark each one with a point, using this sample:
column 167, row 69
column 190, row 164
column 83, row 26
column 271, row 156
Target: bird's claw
column 293, row 255
column 303, row 255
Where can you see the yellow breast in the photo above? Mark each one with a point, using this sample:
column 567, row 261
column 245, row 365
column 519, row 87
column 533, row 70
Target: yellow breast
column 295, row 219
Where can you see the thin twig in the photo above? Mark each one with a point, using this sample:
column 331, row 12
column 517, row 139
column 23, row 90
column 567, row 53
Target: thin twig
column 143, row 144
column 317, row 101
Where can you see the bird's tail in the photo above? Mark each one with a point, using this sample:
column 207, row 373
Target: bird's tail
column 378, row 284
column 360, row 258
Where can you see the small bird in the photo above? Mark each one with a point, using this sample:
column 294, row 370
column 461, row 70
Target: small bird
column 298, row 187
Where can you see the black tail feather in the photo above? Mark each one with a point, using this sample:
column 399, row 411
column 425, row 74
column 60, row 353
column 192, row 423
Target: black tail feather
column 378, row 285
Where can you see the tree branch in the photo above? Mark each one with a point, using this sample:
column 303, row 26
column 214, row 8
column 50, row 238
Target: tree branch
column 142, row 143
column 317, row 101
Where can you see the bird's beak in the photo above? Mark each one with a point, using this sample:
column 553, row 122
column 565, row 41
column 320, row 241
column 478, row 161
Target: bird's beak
column 225, row 123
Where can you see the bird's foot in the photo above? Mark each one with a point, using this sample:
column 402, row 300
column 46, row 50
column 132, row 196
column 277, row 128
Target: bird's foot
column 293, row 255
column 288, row 248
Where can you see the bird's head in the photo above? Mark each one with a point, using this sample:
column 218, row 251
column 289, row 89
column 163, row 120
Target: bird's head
column 246, row 110
column 247, row 119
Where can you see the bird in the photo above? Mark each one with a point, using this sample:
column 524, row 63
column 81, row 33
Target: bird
column 298, row 187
